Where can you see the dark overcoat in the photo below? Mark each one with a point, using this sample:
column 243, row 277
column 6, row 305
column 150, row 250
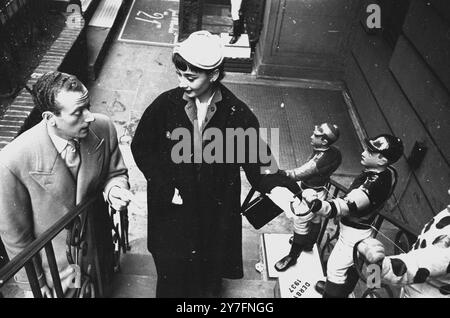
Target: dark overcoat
column 206, row 229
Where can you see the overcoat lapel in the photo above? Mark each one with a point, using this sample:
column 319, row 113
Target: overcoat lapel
column 91, row 151
column 51, row 172
column 191, row 109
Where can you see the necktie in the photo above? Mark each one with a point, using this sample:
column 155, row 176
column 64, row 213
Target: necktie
column 73, row 157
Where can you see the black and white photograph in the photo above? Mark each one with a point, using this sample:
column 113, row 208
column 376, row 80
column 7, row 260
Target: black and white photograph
column 224, row 154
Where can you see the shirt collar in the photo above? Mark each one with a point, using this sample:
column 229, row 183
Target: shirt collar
column 321, row 148
column 198, row 103
column 375, row 170
column 60, row 143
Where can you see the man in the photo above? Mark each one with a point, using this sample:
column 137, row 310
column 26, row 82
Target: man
column 425, row 270
column 357, row 210
column 238, row 22
column 46, row 171
column 313, row 174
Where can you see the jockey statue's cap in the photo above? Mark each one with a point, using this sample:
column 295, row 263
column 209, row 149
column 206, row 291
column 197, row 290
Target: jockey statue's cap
column 329, row 131
column 389, row 146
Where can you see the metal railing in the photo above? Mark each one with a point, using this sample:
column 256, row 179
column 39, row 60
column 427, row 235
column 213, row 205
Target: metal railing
column 402, row 242
column 81, row 250
column 334, row 190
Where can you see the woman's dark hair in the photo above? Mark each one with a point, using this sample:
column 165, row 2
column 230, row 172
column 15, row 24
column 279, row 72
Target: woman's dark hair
column 183, row 65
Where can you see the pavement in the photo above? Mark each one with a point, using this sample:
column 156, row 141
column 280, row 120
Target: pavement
column 133, row 75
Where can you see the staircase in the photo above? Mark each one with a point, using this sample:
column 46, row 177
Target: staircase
column 137, row 276
column 100, row 30
column 217, row 20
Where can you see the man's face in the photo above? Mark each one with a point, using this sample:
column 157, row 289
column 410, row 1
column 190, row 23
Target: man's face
column 196, row 85
column 74, row 118
column 371, row 159
column 317, row 141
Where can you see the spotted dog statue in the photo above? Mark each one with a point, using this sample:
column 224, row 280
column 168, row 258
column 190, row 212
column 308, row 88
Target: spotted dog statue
column 425, row 270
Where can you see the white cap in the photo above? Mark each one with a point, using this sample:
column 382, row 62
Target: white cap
column 201, row 49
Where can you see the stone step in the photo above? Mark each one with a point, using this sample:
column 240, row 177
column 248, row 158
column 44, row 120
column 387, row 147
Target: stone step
column 242, row 288
column 11, row 290
column 217, row 9
column 106, row 13
column 88, row 8
column 137, row 264
column 141, row 286
column 143, row 265
column 217, row 20
column 99, row 33
column 241, row 49
column 216, row 29
column 133, row 286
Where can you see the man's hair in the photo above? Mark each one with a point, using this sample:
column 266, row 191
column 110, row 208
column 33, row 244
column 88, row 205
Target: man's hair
column 49, row 85
column 183, row 65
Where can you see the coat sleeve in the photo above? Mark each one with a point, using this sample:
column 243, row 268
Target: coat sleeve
column 16, row 220
column 145, row 145
column 117, row 171
column 259, row 173
column 306, row 170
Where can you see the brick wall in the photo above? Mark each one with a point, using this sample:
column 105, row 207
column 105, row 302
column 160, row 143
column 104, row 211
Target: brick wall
column 67, row 54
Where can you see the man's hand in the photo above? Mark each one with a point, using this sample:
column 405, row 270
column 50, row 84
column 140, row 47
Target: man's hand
column 372, row 249
column 68, row 278
column 46, row 292
column 119, row 198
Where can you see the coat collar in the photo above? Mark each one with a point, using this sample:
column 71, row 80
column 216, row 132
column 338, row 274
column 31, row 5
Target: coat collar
column 91, row 162
column 51, row 171
column 191, row 108
column 224, row 108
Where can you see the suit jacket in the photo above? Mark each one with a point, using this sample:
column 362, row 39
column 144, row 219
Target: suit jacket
column 37, row 188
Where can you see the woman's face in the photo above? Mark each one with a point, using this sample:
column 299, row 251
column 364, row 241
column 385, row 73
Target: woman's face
column 195, row 84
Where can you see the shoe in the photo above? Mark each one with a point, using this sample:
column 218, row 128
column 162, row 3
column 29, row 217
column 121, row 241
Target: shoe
column 237, row 31
column 234, row 39
column 320, row 287
column 286, row 262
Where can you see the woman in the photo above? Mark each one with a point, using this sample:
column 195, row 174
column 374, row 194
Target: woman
column 194, row 224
